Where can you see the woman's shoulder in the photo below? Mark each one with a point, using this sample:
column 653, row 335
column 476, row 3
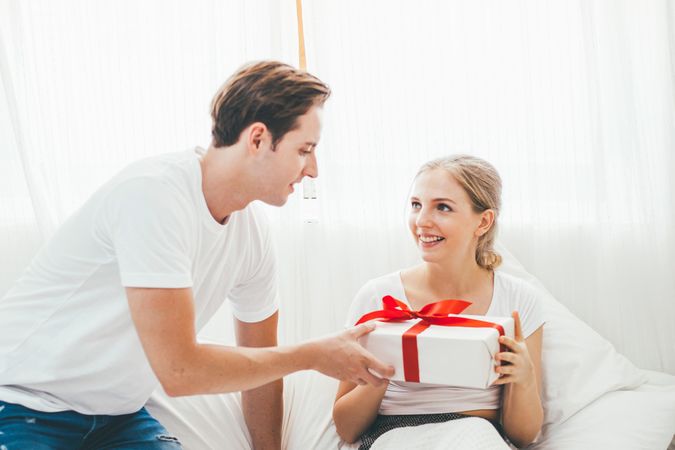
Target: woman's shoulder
column 515, row 287
column 388, row 284
column 369, row 296
column 515, row 294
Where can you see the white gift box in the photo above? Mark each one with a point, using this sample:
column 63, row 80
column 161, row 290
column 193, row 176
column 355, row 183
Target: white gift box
column 447, row 355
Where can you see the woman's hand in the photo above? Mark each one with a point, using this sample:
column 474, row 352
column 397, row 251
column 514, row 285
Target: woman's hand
column 516, row 365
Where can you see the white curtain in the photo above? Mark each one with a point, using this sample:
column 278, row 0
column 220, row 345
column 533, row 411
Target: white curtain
column 573, row 102
column 90, row 86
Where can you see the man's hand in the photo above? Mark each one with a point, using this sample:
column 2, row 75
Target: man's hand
column 341, row 356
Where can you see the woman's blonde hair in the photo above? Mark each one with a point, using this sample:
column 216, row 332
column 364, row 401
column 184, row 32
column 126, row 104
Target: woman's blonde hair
column 483, row 184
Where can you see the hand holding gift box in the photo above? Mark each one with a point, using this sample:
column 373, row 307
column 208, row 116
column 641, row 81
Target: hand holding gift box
column 436, row 345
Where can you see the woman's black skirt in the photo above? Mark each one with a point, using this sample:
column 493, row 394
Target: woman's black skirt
column 383, row 424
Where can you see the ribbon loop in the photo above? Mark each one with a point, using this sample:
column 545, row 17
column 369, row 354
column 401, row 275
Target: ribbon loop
column 396, row 310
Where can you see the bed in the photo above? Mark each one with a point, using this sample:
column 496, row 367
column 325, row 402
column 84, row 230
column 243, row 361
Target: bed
column 593, row 397
column 641, row 418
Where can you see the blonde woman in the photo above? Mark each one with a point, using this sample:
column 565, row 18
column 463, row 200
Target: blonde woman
column 454, row 207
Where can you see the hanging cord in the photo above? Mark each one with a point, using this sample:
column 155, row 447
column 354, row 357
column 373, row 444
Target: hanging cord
column 308, row 184
column 301, row 36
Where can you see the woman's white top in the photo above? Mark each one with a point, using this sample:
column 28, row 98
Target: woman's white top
column 509, row 294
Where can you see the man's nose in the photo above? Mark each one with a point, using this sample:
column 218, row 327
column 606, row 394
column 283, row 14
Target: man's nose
column 311, row 168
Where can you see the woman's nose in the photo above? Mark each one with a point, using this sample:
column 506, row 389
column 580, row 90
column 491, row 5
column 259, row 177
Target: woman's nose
column 423, row 218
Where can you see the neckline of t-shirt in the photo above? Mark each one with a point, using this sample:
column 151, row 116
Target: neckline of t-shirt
column 205, row 215
column 404, row 297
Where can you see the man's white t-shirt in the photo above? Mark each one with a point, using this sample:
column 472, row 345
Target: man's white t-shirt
column 509, row 294
column 67, row 338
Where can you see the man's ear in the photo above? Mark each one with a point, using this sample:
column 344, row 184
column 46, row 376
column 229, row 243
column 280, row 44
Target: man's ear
column 487, row 219
column 255, row 135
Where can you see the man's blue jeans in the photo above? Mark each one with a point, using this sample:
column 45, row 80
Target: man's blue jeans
column 24, row 428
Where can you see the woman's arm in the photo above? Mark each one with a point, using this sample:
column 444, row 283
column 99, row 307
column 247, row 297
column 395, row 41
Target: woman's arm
column 522, row 413
column 356, row 408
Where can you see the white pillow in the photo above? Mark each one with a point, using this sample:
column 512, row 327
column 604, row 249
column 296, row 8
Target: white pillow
column 578, row 365
column 623, row 420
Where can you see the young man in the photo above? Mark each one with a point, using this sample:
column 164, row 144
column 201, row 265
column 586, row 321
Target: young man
column 110, row 307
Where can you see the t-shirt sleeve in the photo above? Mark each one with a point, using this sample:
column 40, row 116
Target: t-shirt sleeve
column 257, row 297
column 149, row 227
column 530, row 309
column 364, row 302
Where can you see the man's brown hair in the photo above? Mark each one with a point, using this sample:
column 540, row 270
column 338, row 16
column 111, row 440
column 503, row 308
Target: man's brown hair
column 270, row 92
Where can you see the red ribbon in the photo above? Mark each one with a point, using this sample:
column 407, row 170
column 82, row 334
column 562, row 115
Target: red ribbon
column 432, row 314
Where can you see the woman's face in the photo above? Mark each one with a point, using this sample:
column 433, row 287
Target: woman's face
column 442, row 220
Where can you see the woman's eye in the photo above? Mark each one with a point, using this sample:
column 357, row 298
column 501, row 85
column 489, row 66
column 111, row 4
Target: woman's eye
column 444, row 207
column 415, row 205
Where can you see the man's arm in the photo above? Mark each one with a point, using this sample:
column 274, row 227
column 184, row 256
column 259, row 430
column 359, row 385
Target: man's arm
column 263, row 407
column 164, row 320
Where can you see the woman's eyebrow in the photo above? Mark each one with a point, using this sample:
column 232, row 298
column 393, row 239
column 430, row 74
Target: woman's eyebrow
column 437, row 200
column 449, row 200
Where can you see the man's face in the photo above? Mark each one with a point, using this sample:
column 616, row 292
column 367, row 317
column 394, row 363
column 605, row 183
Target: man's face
column 293, row 159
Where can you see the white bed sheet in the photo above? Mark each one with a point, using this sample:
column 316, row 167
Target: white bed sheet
column 465, row 434
column 642, row 418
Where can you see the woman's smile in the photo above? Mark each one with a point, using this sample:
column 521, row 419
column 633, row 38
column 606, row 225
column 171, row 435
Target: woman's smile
column 429, row 240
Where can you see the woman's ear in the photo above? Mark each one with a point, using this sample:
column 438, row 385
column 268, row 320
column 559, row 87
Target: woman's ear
column 487, row 218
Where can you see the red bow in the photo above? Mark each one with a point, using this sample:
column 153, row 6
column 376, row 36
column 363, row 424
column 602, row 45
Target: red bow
column 432, row 314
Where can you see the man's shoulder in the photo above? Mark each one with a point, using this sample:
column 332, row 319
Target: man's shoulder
column 166, row 166
column 171, row 175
